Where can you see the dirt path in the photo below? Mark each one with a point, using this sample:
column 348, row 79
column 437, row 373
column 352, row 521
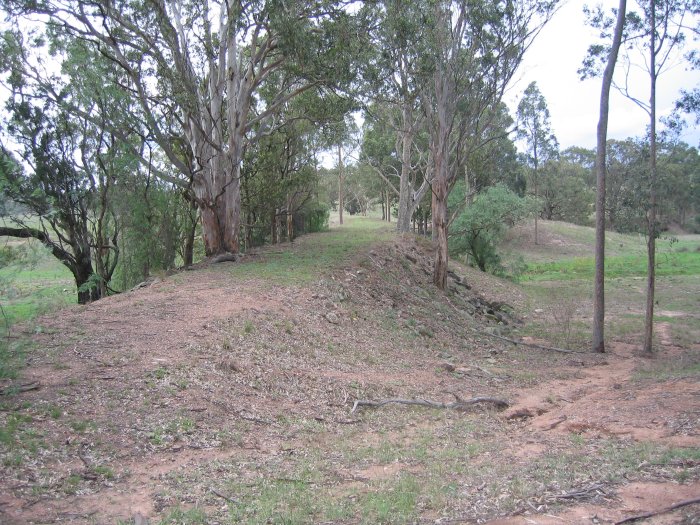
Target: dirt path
column 605, row 400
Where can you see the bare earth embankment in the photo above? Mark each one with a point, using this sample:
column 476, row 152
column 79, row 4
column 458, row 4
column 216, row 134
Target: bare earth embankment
column 224, row 395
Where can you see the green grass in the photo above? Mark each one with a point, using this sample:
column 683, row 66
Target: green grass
column 34, row 284
column 312, row 255
column 667, row 264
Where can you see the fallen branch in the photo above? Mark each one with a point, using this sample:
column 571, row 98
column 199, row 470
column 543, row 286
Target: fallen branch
column 460, row 404
column 583, row 493
column 657, row 512
column 531, row 345
column 224, row 257
column 16, row 389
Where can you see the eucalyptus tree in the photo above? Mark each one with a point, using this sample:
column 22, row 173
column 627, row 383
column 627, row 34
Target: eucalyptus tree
column 384, row 142
column 534, row 128
column 394, row 74
column 653, row 35
column 198, row 70
column 598, row 340
column 468, row 55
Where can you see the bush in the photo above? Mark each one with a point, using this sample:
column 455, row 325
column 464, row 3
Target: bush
column 481, row 225
column 316, row 217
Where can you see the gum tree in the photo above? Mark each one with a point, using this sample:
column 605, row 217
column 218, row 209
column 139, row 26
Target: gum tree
column 535, row 129
column 652, row 37
column 469, row 54
column 212, row 75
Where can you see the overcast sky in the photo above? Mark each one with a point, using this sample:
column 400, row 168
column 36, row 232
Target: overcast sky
column 574, row 104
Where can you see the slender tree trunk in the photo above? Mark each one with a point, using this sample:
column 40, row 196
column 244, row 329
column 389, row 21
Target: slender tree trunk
column 341, row 200
column 440, row 234
column 273, row 227
column 383, row 209
column 651, row 217
column 388, row 206
column 290, row 221
column 599, row 285
column 406, row 207
column 188, row 252
column 536, row 195
column 249, row 232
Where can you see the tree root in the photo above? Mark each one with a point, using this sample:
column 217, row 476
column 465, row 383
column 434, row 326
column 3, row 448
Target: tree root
column 657, row 512
column 224, row 257
column 459, row 404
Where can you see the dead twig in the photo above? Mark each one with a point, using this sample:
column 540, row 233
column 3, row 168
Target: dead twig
column 555, row 423
column 657, row 512
column 223, row 496
column 460, row 404
column 581, row 493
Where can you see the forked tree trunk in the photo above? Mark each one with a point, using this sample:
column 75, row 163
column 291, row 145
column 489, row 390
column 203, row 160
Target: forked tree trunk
column 599, row 285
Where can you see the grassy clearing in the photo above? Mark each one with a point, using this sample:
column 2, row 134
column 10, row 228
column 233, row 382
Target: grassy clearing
column 33, row 283
column 669, row 263
column 559, row 284
column 308, row 256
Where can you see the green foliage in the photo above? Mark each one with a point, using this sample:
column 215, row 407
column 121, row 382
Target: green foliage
column 481, row 225
column 565, row 192
column 317, row 216
column 155, row 223
column 534, row 127
column 93, row 283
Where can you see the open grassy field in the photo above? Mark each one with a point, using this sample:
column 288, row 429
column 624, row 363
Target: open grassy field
column 559, row 281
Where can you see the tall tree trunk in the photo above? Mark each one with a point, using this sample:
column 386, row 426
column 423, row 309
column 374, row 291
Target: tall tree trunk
column 602, row 135
column 651, row 216
column 406, row 206
column 290, row 220
column 536, row 195
column 388, row 206
column 341, row 200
